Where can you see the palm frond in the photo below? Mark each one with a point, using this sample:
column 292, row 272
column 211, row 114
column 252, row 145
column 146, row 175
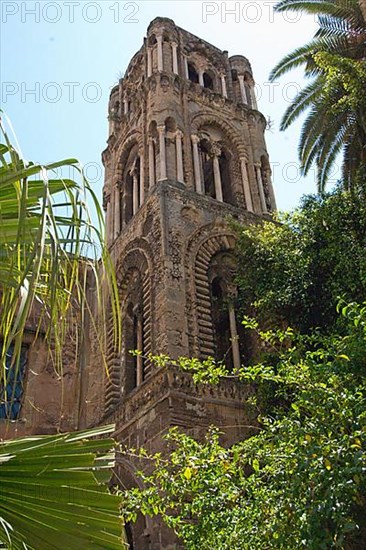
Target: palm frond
column 343, row 9
column 54, row 493
column 298, row 57
column 336, row 117
column 47, row 245
column 301, row 102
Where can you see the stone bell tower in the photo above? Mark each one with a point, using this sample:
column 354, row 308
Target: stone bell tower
column 186, row 151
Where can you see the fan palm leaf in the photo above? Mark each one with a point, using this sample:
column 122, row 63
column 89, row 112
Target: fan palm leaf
column 54, row 493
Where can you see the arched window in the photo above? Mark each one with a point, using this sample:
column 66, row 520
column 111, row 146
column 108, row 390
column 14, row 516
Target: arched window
column 234, row 75
column 133, row 331
column 152, row 42
column 221, row 273
column 131, row 191
column 232, row 343
column 132, row 184
column 208, row 81
column 215, row 170
column 192, row 73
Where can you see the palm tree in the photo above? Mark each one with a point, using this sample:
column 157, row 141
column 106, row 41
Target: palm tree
column 336, row 121
column 52, row 492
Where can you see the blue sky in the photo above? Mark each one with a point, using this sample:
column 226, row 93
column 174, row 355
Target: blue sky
column 60, row 59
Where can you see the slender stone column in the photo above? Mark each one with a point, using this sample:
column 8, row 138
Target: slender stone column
column 200, row 78
column 246, row 186
column 234, row 338
column 135, row 192
column 196, row 165
column 160, row 53
column 178, row 144
column 260, row 188
column 125, row 106
column 161, row 130
column 108, row 223
column 120, row 99
column 270, row 188
column 149, row 61
column 142, row 179
column 186, row 72
column 139, row 358
column 151, row 163
column 243, row 92
column 254, row 99
column 175, row 57
column 223, row 85
column 216, row 150
column 117, row 211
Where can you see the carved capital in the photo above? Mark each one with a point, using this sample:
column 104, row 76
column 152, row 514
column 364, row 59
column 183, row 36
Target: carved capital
column 232, row 291
column 216, row 149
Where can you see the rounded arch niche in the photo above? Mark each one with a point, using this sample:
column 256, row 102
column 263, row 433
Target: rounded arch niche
column 214, row 329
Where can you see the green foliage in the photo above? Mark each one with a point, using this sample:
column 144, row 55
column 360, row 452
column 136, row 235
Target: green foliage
column 334, row 99
column 299, row 482
column 48, row 249
column 54, row 493
column 297, row 270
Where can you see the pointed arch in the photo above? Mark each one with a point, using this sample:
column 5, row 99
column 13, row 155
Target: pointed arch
column 207, row 119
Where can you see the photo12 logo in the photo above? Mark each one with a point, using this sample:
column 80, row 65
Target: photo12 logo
column 51, row 92
column 245, row 12
column 70, row 11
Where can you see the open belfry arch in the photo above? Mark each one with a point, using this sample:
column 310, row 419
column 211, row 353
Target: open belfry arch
column 186, row 151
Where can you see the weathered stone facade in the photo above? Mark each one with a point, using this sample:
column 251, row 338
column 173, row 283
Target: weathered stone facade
column 186, row 152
